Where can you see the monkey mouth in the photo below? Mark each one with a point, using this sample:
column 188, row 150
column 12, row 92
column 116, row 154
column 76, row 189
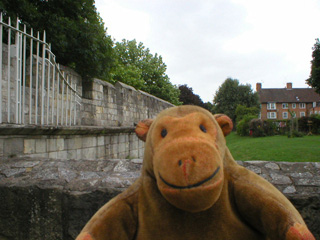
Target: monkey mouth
column 192, row 185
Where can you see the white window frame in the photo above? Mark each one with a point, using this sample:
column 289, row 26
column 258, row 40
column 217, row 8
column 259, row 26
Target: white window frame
column 271, row 115
column 285, row 115
column 302, row 105
column 285, row 105
column 302, row 114
column 271, row 106
column 294, row 105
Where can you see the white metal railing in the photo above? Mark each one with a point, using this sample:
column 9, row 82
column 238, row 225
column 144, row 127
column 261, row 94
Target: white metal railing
column 33, row 88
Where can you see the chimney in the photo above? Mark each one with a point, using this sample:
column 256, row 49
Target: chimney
column 258, row 87
column 289, row 86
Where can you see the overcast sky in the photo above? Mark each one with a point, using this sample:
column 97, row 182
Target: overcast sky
column 203, row 42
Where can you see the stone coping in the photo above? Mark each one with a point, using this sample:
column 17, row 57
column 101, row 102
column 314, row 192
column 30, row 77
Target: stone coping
column 292, row 178
column 13, row 129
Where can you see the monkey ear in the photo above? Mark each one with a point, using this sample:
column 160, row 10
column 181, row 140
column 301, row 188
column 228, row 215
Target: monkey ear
column 142, row 129
column 225, row 123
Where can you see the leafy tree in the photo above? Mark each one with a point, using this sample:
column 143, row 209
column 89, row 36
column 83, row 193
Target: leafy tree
column 242, row 111
column 231, row 94
column 74, row 29
column 136, row 66
column 314, row 79
column 187, row 97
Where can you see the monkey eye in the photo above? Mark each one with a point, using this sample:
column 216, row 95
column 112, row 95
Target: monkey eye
column 164, row 132
column 202, row 128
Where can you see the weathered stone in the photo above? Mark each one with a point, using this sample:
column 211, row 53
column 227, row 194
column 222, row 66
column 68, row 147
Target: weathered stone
column 280, row 179
column 66, row 193
column 301, row 175
column 29, row 146
column 272, row 166
column 254, row 169
column 41, row 146
column 289, row 189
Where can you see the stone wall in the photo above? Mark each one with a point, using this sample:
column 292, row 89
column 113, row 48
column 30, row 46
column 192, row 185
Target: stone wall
column 43, row 199
column 107, row 116
column 104, row 104
column 67, row 143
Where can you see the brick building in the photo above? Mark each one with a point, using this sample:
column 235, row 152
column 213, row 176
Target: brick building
column 276, row 103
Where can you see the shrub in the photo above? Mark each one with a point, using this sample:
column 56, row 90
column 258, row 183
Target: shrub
column 269, row 127
column 256, row 126
column 294, row 133
column 243, row 128
column 315, row 124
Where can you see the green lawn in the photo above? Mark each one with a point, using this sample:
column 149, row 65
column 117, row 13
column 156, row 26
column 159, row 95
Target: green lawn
column 275, row 148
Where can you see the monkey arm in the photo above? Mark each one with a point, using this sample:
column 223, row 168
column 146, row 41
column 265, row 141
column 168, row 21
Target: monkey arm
column 116, row 220
column 265, row 208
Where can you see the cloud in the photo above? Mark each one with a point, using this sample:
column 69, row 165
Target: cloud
column 204, row 42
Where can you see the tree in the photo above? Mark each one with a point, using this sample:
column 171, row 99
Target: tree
column 74, row 29
column 242, row 111
column 136, row 66
column 231, row 94
column 314, row 78
column 187, row 97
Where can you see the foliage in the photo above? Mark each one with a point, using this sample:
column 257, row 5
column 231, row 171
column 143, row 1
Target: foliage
column 241, row 111
column 187, row 97
column 314, row 78
column 136, row 66
column 257, row 128
column 294, row 133
column 314, row 120
column 74, row 29
column 231, row 94
column 274, row 148
column 243, row 126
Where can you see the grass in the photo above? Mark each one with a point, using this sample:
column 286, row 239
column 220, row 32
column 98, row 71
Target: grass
column 275, row 148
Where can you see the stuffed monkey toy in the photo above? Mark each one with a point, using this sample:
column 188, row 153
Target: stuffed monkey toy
column 191, row 188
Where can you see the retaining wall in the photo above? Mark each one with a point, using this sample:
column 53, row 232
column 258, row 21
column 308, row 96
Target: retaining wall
column 43, row 199
column 107, row 116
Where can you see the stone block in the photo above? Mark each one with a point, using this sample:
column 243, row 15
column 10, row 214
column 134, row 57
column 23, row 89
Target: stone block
column 89, row 153
column 71, row 154
column 60, row 144
column 13, row 146
column 29, row 146
column 101, row 152
column 62, row 155
column 134, row 153
column 89, row 142
column 114, row 139
column 122, row 138
column 41, row 146
column 52, row 144
column 53, row 155
column 1, row 147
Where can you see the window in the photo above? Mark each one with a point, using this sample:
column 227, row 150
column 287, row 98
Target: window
column 302, row 105
column 314, row 104
column 284, row 105
column 315, row 112
column 271, row 106
column 285, row 115
column 302, row 114
column 311, row 112
column 271, row 115
column 293, row 105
